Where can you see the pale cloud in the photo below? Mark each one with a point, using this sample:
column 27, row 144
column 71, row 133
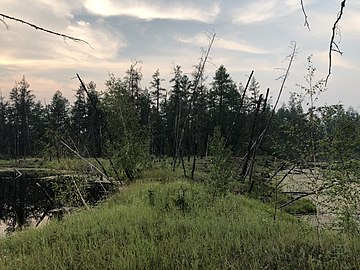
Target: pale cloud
column 222, row 43
column 260, row 42
column 47, row 49
column 45, row 13
column 37, row 55
column 149, row 11
column 83, row 23
column 338, row 61
column 261, row 11
column 62, row 8
column 350, row 22
column 104, row 45
column 64, row 61
column 238, row 46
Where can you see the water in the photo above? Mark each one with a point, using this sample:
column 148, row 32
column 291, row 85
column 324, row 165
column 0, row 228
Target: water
column 28, row 197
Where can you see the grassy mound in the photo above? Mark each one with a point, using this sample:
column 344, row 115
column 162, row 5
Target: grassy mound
column 177, row 225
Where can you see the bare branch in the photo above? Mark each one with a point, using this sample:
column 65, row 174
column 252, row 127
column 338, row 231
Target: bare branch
column 42, row 29
column 240, row 108
column 306, row 194
column 83, row 159
column 306, row 21
column 6, row 26
column 203, row 60
column 80, row 195
column 334, row 47
column 290, row 58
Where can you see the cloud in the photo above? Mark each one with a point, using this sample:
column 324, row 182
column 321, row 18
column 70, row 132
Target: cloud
column 24, row 46
column 60, row 9
column 45, row 13
column 221, row 43
column 338, row 61
column 165, row 33
column 38, row 55
column 147, row 10
column 350, row 22
column 262, row 11
column 83, row 23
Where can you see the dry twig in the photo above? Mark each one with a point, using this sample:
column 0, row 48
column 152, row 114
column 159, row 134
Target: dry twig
column 306, row 21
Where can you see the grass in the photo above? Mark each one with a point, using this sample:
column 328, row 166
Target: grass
column 299, row 207
column 176, row 224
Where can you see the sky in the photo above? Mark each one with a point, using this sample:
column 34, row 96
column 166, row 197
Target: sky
column 160, row 34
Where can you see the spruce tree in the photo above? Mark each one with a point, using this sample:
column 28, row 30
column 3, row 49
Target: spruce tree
column 22, row 103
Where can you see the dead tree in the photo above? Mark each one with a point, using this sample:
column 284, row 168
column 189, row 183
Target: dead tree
column 335, row 31
column 198, row 77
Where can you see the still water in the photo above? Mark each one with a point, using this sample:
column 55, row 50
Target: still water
column 29, row 197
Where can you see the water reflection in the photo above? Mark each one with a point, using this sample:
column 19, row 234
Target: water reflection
column 32, row 196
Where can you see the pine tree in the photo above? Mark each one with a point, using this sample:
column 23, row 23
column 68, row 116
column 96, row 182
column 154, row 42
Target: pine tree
column 223, row 97
column 157, row 96
column 59, row 109
column 40, row 120
column 176, row 112
column 94, row 123
column 22, row 102
column 78, row 118
column 4, row 128
column 58, row 124
column 132, row 80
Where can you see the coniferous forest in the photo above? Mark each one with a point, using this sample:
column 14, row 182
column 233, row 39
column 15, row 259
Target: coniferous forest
column 131, row 124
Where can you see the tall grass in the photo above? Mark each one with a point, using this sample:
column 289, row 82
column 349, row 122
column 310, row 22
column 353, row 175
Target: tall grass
column 177, row 225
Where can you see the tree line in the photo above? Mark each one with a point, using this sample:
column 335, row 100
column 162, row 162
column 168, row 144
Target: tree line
column 164, row 118
column 128, row 123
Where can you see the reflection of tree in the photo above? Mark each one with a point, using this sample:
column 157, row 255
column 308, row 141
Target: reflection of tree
column 33, row 196
column 20, row 199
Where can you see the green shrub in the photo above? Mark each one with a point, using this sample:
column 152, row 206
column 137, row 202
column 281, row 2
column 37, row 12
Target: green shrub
column 221, row 165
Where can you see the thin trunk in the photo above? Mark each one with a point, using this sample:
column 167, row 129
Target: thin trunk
column 183, row 164
column 105, row 127
column 245, row 166
column 239, row 109
column 194, row 161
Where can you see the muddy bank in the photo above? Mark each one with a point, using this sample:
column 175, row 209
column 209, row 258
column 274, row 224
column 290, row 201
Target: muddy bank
column 31, row 225
column 2, row 230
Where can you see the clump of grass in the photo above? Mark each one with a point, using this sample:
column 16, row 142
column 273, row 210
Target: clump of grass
column 300, row 207
column 177, row 225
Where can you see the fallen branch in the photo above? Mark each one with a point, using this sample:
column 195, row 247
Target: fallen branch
column 19, row 174
column 41, row 29
column 81, row 196
column 82, row 158
column 306, row 195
